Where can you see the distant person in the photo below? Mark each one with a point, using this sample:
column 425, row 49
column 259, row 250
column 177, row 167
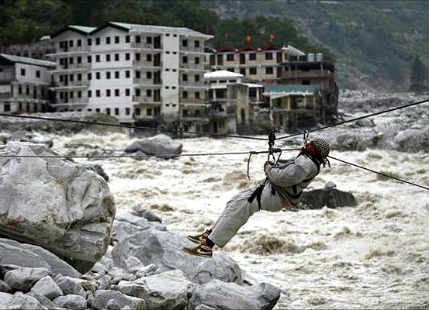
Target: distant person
column 282, row 188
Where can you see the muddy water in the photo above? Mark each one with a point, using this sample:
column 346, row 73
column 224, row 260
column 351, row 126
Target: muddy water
column 375, row 255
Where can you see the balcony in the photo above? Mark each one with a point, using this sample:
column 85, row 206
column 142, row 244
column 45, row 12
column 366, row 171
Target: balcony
column 147, row 83
column 188, row 102
column 192, row 66
column 298, row 74
column 146, row 100
column 192, row 84
column 147, row 64
column 6, row 78
column 72, row 67
column 5, row 95
column 70, row 85
column 189, row 49
column 146, row 46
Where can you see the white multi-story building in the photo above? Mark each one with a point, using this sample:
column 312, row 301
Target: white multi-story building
column 23, row 84
column 137, row 73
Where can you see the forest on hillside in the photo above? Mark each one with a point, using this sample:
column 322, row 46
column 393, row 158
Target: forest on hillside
column 23, row 21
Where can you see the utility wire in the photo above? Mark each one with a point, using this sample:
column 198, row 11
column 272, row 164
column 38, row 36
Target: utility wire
column 380, row 173
column 358, row 118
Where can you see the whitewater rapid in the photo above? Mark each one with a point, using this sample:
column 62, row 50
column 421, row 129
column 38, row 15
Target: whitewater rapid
column 375, row 255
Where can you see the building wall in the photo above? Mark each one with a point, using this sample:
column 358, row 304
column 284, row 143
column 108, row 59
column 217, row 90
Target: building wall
column 170, row 75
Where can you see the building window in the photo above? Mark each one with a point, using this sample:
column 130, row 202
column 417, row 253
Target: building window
column 97, row 110
column 20, row 89
column 138, row 39
column 37, row 73
column 89, row 93
column 107, row 57
column 137, row 111
column 138, row 92
column 108, row 111
column 79, row 59
column 127, row 74
column 27, row 90
column 89, row 59
column 89, row 76
column 71, row 43
column 97, row 41
column 167, row 52
column 184, row 43
column 149, row 57
column 197, row 78
column 230, row 57
column 252, row 56
column 97, row 75
column 79, row 94
column 79, row 42
column 117, row 92
column 197, row 95
column 197, row 44
column 148, row 75
column 127, row 39
column 185, row 59
column 197, row 60
column 127, row 92
column 127, row 111
column 184, row 94
column 79, row 76
column 107, row 40
column 107, row 92
column 127, row 56
column 252, row 70
column 97, row 58
column 137, row 74
column 7, row 107
column 116, row 74
column 116, row 111
column 148, row 92
column 116, row 39
column 137, row 56
column 148, row 40
column 149, row 112
column 71, row 60
column 184, row 77
column 268, row 56
column 89, row 42
column 269, row 70
column 22, row 72
column 108, row 75
column 97, row 93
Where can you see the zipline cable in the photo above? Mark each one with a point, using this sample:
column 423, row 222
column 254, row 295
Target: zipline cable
column 117, row 125
column 359, row 118
column 380, row 173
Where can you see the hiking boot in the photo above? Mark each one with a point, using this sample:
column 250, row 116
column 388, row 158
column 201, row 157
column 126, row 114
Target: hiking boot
column 200, row 250
column 201, row 238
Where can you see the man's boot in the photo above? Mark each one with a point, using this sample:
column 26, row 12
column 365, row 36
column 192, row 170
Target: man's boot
column 201, row 238
column 200, row 250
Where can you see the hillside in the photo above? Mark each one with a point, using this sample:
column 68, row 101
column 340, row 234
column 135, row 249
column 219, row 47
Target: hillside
column 375, row 42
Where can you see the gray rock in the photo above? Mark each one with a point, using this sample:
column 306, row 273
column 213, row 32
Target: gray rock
column 219, row 295
column 19, row 301
column 133, row 264
column 160, row 145
column 147, row 214
column 99, row 170
column 44, row 301
column 99, row 268
column 17, row 253
column 4, row 287
column 328, row 196
column 70, row 286
column 22, row 279
column 71, row 302
column 165, row 250
column 128, row 224
column 134, row 289
column 167, row 290
column 75, row 208
column 412, row 140
column 103, row 297
column 47, row 287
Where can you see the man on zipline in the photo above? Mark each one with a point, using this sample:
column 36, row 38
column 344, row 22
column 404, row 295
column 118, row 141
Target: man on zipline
column 282, row 188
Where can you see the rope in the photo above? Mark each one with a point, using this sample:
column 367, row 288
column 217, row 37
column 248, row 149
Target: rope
column 380, row 173
column 117, row 125
column 359, row 118
column 139, row 156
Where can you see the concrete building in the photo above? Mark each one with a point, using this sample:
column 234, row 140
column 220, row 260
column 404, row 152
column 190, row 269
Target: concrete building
column 138, row 73
column 293, row 106
column 315, row 73
column 24, row 84
column 260, row 64
column 37, row 50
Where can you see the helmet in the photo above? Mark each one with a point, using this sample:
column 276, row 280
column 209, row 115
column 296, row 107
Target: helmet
column 321, row 146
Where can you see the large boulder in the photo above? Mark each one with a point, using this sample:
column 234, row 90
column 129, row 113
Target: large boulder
column 412, row 140
column 160, row 145
column 230, row 296
column 128, row 224
column 329, row 196
column 19, row 301
column 55, row 203
column 22, row 279
column 165, row 250
column 27, row 255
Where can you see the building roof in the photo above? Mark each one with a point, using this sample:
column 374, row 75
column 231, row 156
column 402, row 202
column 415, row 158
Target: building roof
column 292, row 51
column 219, row 74
column 80, row 29
column 26, row 60
column 277, row 90
column 152, row 28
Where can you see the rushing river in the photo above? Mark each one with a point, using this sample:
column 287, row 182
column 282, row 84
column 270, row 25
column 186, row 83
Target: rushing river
column 375, row 255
